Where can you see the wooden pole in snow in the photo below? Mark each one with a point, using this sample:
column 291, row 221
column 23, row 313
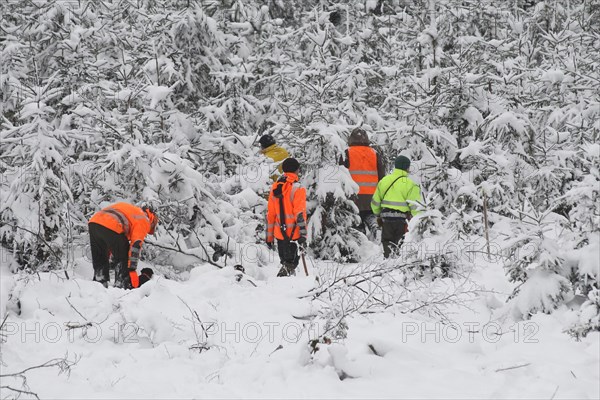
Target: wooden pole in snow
column 485, row 220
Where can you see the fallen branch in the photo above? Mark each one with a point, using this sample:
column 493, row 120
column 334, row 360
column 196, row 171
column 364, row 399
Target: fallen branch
column 20, row 391
column 278, row 348
column 372, row 348
column 73, row 307
column 62, row 363
column 180, row 250
column 3, row 337
column 201, row 339
column 74, row 325
column 514, row 367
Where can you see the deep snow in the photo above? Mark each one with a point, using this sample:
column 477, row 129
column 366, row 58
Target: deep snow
column 142, row 343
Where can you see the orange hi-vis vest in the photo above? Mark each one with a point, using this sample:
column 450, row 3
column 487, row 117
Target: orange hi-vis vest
column 294, row 221
column 130, row 220
column 362, row 164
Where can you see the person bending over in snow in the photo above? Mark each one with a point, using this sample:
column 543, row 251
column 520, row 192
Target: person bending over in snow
column 119, row 230
column 286, row 217
column 391, row 205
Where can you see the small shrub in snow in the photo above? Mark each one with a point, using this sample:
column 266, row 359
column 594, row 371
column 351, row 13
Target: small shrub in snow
column 535, row 262
column 589, row 316
column 426, row 245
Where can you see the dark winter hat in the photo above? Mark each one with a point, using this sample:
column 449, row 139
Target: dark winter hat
column 358, row 137
column 266, row 141
column 402, row 163
column 290, row 165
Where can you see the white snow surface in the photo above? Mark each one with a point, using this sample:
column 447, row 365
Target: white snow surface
column 142, row 343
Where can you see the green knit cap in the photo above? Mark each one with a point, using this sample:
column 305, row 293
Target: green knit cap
column 402, row 163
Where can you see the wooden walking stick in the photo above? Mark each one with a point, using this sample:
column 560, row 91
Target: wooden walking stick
column 304, row 262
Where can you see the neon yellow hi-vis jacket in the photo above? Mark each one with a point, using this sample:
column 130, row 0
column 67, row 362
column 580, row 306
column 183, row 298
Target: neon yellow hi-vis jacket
column 396, row 197
column 277, row 154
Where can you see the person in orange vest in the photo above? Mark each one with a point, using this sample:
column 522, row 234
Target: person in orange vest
column 366, row 168
column 272, row 150
column 286, row 217
column 119, row 231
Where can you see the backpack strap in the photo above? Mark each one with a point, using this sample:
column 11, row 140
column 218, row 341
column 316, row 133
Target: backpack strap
column 278, row 193
column 406, row 214
column 389, row 187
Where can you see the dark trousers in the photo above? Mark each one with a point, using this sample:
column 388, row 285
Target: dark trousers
column 106, row 243
column 392, row 234
column 288, row 253
column 368, row 221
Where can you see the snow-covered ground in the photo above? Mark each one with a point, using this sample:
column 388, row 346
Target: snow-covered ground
column 214, row 337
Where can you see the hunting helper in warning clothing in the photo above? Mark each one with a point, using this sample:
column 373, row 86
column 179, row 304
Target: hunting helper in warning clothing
column 286, row 217
column 366, row 168
column 275, row 152
column 394, row 203
column 119, row 231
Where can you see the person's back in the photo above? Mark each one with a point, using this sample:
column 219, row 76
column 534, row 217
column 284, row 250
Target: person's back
column 119, row 230
column 286, row 217
column 366, row 168
column 394, row 203
column 124, row 218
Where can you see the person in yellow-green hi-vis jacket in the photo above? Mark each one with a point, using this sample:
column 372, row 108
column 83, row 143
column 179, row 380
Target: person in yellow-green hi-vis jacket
column 276, row 153
column 391, row 203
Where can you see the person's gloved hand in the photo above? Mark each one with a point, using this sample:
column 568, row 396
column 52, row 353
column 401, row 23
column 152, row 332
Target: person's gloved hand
column 135, row 279
column 302, row 242
column 133, row 264
column 270, row 245
column 379, row 221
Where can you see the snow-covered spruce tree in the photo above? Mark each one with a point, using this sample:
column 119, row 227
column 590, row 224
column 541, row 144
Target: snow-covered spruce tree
column 549, row 114
column 320, row 102
column 584, row 215
column 536, row 264
column 161, row 152
column 36, row 197
column 509, row 86
column 333, row 214
column 588, row 316
column 38, row 143
column 136, row 81
column 428, row 245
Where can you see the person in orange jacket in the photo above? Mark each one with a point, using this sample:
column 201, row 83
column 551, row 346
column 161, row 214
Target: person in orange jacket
column 286, row 217
column 119, row 230
column 366, row 168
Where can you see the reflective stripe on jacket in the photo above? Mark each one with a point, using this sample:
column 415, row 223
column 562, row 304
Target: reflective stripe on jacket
column 128, row 219
column 362, row 164
column 294, row 204
column 398, row 196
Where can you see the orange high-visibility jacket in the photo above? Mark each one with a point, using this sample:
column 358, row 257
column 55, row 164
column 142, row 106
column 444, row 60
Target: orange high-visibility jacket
column 294, row 204
column 128, row 219
column 362, row 164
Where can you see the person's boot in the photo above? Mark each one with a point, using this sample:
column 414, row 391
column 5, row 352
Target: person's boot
column 282, row 271
column 122, row 279
column 372, row 228
column 287, row 270
column 101, row 278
